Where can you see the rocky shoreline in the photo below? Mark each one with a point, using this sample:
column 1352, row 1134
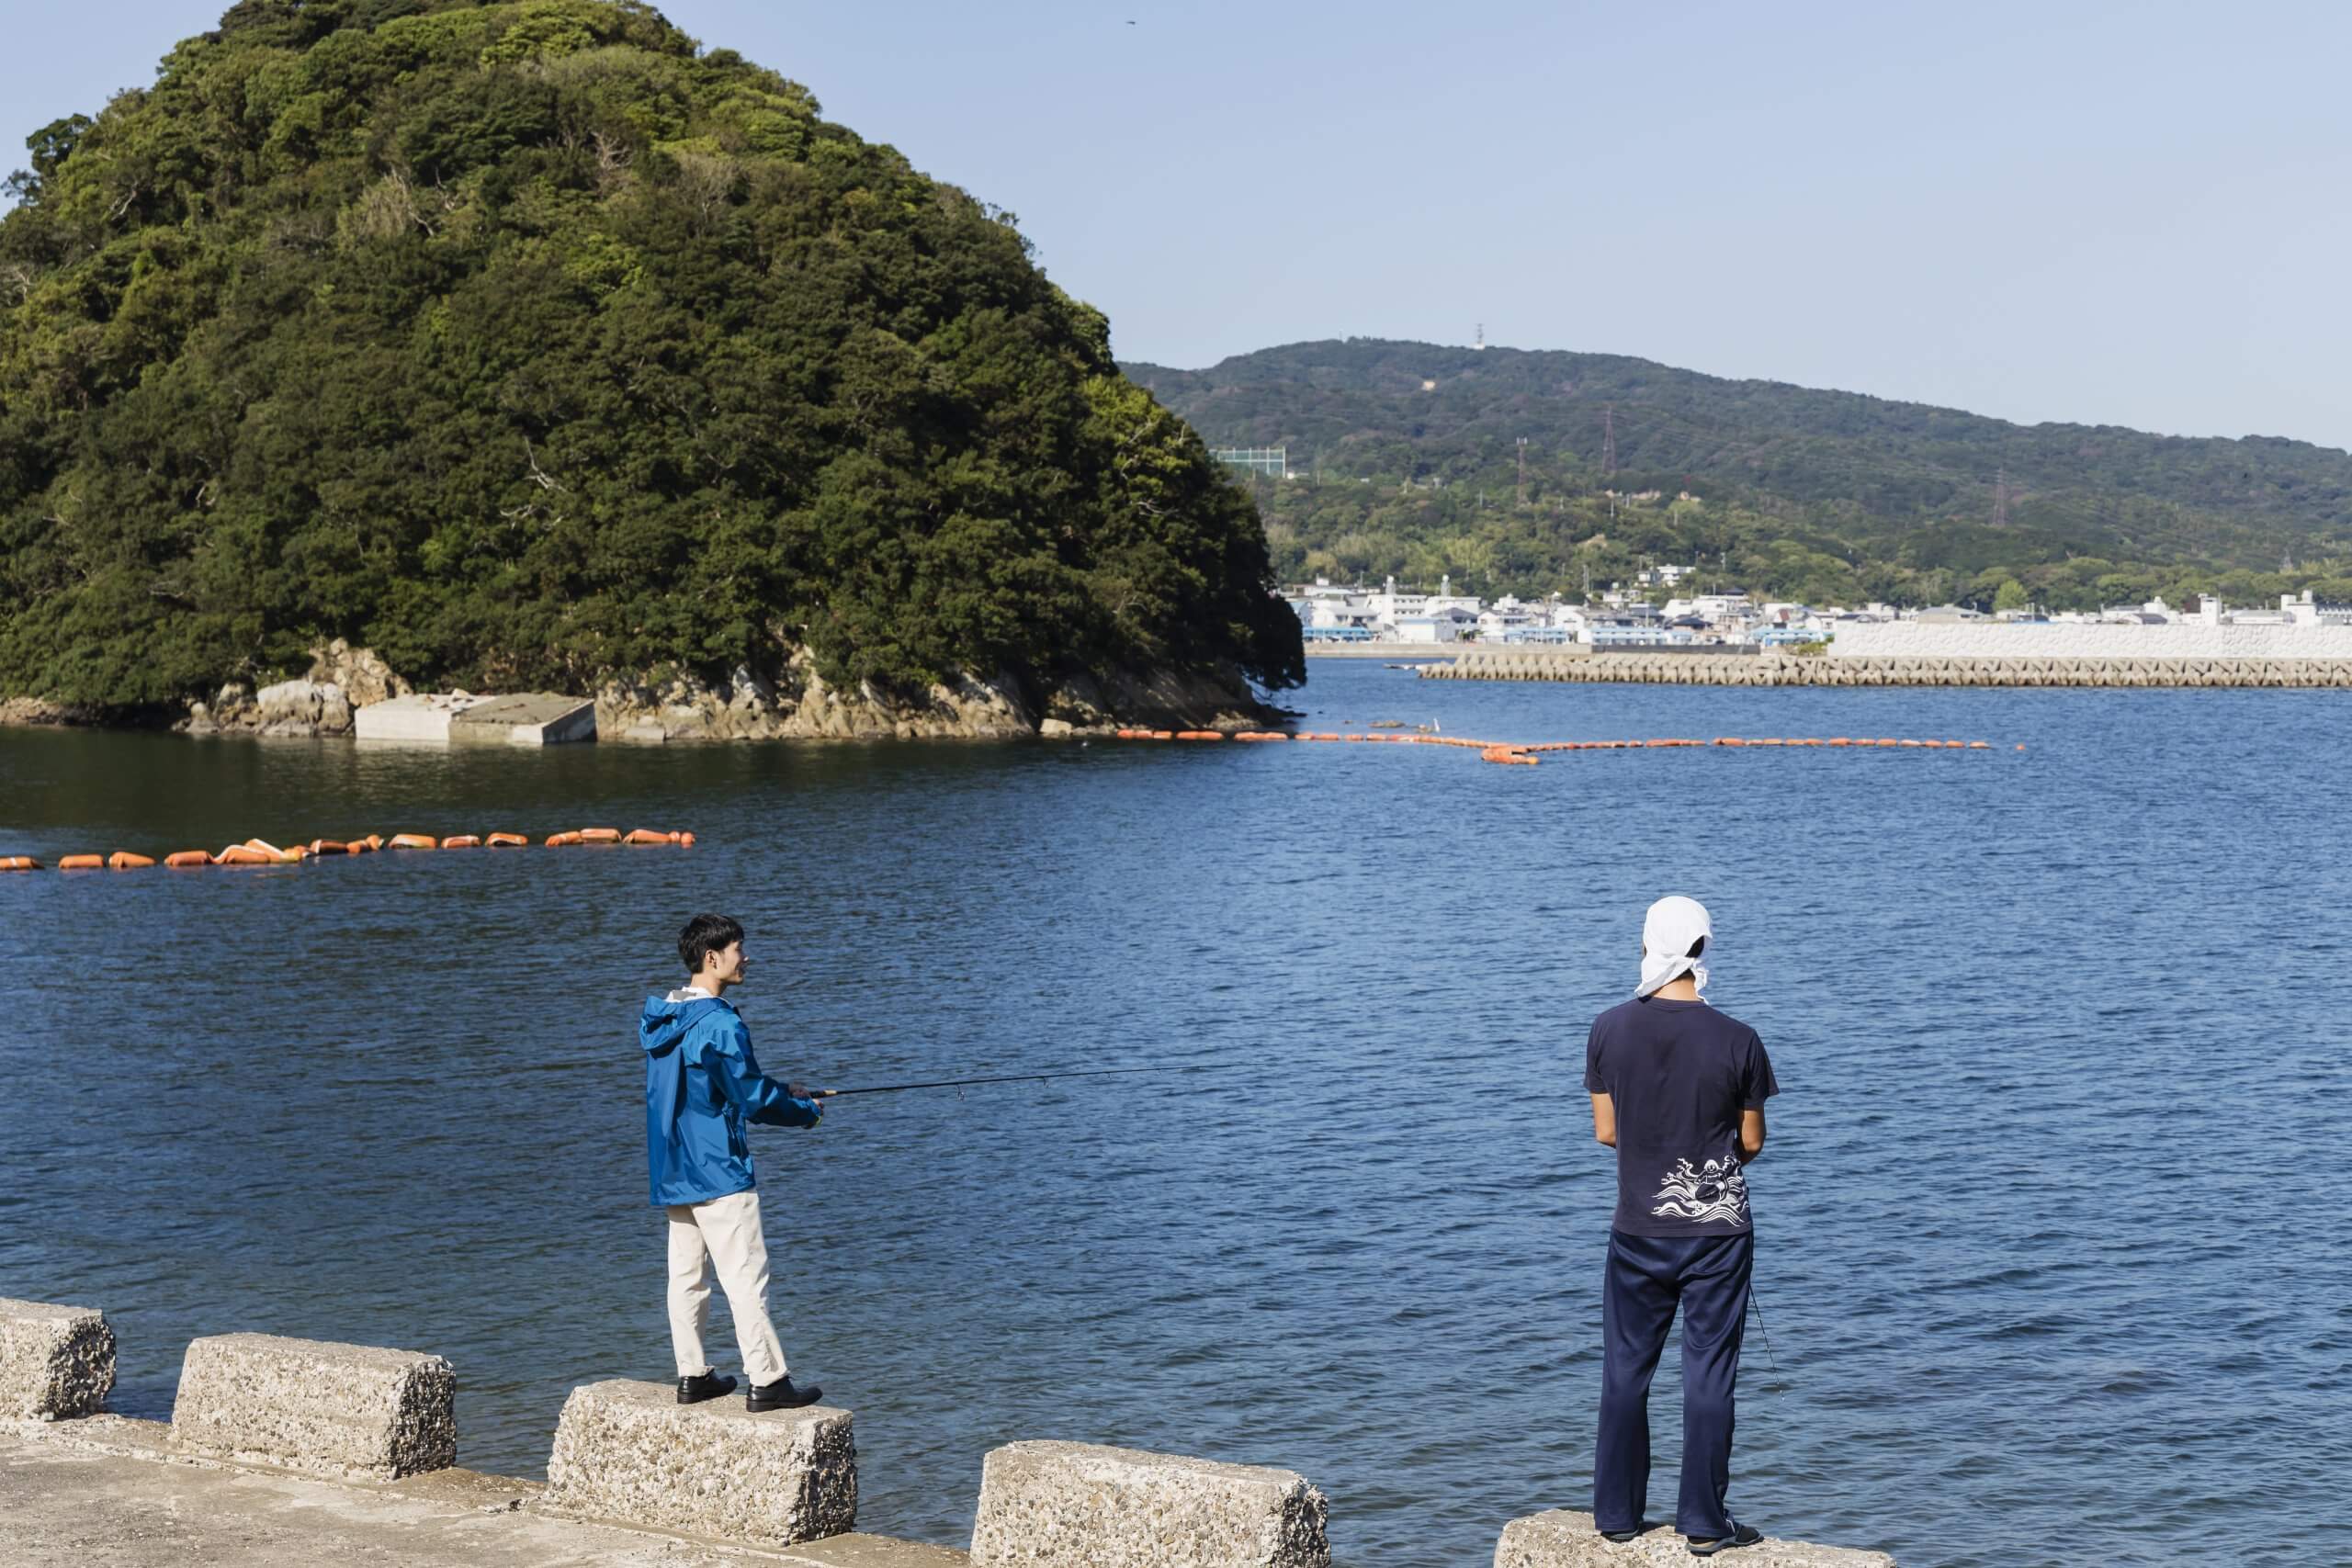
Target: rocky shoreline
column 664, row 707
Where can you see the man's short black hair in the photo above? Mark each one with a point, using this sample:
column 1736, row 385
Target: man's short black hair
column 707, row 934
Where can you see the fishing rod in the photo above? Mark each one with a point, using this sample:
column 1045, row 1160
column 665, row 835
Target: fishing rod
column 1007, row 1078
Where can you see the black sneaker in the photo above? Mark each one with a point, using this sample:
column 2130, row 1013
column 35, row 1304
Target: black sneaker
column 702, row 1386
column 778, row 1396
column 1741, row 1535
column 1622, row 1537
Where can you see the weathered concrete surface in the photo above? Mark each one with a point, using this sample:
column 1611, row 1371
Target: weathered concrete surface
column 2179, row 639
column 1080, row 1506
column 1563, row 1540
column 1706, row 668
column 629, row 1451
column 310, row 1404
column 523, row 718
column 64, row 1504
column 55, row 1361
column 536, row 718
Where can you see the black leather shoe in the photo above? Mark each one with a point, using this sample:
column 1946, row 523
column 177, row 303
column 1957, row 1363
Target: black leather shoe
column 702, row 1386
column 1741, row 1535
column 779, row 1395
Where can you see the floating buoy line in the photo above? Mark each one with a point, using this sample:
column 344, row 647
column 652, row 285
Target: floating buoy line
column 1513, row 753
column 260, row 851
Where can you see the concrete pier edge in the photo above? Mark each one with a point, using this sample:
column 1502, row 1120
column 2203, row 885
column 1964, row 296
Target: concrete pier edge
column 1562, row 1539
column 1686, row 668
column 627, row 1460
column 56, row 1362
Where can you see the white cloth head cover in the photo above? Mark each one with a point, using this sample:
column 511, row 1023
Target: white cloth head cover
column 1669, row 931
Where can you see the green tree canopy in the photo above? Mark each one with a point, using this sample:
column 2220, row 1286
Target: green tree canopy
column 527, row 343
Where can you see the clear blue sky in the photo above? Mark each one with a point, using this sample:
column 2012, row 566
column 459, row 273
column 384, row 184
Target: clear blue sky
column 2127, row 213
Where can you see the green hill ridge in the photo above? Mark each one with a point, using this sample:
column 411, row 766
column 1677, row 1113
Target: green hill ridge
column 528, row 343
column 1830, row 497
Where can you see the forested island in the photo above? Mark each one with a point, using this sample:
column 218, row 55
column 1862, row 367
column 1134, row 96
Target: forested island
column 533, row 345
column 1407, row 460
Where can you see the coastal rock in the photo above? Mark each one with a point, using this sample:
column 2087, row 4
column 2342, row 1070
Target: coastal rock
column 1105, row 1507
column 342, row 679
column 300, row 707
column 799, row 703
column 40, row 710
column 56, row 1362
column 1564, row 1539
column 628, row 1451
column 363, row 678
column 344, row 1410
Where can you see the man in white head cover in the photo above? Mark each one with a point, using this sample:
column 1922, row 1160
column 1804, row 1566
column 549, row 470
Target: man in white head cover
column 1678, row 1090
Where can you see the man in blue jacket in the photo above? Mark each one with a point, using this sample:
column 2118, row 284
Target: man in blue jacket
column 701, row 1085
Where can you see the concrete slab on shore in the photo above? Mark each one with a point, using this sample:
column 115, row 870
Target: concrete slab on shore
column 107, row 1490
column 455, row 718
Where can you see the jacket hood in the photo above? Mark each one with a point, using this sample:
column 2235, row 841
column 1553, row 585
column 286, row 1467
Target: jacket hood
column 666, row 1020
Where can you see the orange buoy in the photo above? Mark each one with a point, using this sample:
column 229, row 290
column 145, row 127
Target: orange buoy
column 505, row 840
column 1728, row 741
column 600, row 835
column 648, row 836
column 557, row 839
column 18, row 862
column 1980, row 745
column 413, row 841
column 123, row 859
column 329, row 847
column 1163, row 735
column 186, row 858
column 238, row 855
column 82, row 862
column 686, row 840
column 462, row 842
column 1200, row 735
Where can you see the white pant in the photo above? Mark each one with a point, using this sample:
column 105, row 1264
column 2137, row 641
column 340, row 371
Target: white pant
column 726, row 1231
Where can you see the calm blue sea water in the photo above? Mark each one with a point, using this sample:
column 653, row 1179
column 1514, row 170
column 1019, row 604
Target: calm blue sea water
column 2051, row 1262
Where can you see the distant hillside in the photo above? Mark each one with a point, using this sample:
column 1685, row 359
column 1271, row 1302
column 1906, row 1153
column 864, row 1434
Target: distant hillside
column 1825, row 496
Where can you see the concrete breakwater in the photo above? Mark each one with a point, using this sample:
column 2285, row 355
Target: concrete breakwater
column 315, row 1451
column 1786, row 670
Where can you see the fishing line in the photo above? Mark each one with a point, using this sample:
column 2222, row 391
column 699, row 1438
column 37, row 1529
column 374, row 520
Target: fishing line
column 1757, row 1308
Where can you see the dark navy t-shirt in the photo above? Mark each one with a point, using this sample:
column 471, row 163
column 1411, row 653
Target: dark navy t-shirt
column 1679, row 1074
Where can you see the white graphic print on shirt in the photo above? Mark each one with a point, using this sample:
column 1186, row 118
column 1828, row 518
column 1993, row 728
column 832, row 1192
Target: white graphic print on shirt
column 1715, row 1192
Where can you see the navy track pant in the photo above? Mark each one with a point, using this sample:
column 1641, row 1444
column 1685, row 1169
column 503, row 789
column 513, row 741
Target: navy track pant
column 1648, row 1277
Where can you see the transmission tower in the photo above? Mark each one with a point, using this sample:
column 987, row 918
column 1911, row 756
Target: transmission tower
column 1523, row 471
column 1608, row 441
column 2000, row 498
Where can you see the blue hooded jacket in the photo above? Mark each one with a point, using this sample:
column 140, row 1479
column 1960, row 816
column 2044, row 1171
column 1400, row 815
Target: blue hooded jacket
column 701, row 1085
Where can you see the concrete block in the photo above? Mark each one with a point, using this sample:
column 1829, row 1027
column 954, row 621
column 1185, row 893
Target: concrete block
column 1080, row 1506
column 630, row 1452
column 56, row 1362
column 346, row 1410
column 536, row 718
column 1563, row 1540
